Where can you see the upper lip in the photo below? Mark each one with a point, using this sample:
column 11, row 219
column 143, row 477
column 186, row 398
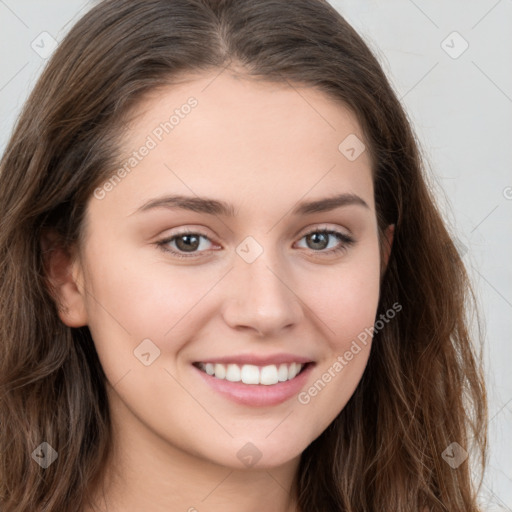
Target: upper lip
column 258, row 360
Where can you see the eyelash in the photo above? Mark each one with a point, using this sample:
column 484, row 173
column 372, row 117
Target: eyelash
column 346, row 242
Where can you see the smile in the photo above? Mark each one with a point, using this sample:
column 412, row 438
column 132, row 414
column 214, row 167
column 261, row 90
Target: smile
column 251, row 374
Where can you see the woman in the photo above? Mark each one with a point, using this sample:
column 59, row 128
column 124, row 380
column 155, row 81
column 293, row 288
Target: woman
column 224, row 281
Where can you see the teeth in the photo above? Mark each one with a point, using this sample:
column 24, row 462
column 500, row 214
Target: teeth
column 282, row 373
column 233, row 373
column 269, row 375
column 220, row 371
column 251, row 374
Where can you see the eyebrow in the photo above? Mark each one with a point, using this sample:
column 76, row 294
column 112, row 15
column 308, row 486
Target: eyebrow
column 216, row 207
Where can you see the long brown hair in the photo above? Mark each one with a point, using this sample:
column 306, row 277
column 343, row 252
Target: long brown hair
column 422, row 389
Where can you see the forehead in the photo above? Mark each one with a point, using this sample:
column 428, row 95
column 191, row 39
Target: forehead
column 243, row 140
column 226, row 100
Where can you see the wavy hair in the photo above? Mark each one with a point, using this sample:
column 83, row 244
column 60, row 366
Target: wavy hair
column 423, row 386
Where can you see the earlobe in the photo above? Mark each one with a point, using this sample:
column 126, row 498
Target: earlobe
column 64, row 279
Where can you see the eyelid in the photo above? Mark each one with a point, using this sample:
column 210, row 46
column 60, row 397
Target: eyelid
column 323, row 227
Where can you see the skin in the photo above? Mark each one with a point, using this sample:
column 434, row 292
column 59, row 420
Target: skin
column 262, row 148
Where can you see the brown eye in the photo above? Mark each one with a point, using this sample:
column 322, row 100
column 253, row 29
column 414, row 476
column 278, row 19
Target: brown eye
column 187, row 243
column 182, row 243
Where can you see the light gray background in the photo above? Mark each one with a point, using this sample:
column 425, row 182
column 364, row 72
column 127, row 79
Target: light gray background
column 461, row 109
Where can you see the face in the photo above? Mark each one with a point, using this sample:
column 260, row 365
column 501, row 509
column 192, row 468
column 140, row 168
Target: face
column 227, row 273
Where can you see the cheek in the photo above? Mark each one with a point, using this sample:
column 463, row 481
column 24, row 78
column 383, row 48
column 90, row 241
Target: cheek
column 346, row 298
column 346, row 302
column 131, row 299
column 354, row 306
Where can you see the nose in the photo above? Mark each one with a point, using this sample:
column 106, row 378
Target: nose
column 261, row 297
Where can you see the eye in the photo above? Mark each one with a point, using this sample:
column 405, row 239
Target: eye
column 320, row 239
column 188, row 244
column 185, row 242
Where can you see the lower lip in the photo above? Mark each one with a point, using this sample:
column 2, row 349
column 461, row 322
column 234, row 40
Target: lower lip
column 258, row 395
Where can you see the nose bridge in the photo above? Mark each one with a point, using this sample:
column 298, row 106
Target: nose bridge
column 261, row 295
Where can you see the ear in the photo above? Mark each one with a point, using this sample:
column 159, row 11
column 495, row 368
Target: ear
column 64, row 277
column 389, row 234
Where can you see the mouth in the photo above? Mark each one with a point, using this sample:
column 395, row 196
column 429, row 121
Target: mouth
column 250, row 374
